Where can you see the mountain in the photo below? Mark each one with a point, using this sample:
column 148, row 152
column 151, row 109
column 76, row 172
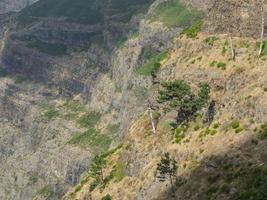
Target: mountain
column 83, row 83
column 14, row 5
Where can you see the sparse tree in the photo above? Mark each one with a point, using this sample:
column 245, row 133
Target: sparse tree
column 166, row 169
column 96, row 169
column 178, row 95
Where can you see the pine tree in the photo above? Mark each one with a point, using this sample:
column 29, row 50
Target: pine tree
column 167, row 168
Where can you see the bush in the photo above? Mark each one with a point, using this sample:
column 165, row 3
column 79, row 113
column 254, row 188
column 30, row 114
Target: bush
column 107, row 197
column 235, row 124
column 221, row 65
column 3, row 72
column 153, row 64
column 91, row 139
column 263, row 131
column 179, row 134
column 193, row 31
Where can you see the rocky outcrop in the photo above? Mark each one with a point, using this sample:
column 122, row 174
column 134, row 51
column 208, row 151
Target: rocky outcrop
column 239, row 18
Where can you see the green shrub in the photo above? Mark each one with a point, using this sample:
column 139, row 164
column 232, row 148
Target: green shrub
column 93, row 185
column 235, row 124
column 238, row 130
column 107, row 197
column 213, row 63
column 91, row 139
column 221, row 65
column 263, row 131
column 153, row 64
column 89, row 120
column 193, row 31
column 179, row 134
column 118, row 172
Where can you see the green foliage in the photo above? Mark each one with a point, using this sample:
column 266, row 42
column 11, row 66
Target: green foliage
column 89, row 120
column 193, row 31
column 179, row 134
column 264, row 49
column 263, row 131
column 107, row 197
column 213, row 63
column 255, row 184
column 174, row 14
column 118, row 172
column 167, row 168
column 178, row 94
column 153, row 64
column 221, row 65
column 235, row 124
column 96, row 169
column 54, row 49
column 91, row 139
column 73, row 109
column 206, row 132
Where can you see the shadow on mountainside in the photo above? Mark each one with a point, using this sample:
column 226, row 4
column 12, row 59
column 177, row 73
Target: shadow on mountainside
column 240, row 174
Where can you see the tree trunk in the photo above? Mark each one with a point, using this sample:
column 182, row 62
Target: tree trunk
column 152, row 120
column 262, row 29
column 231, row 46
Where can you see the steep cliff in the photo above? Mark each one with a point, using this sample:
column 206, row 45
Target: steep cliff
column 71, row 87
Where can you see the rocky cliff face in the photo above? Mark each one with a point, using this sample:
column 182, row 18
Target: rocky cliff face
column 14, row 5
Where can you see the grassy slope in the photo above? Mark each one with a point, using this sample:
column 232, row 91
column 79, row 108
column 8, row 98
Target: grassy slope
column 226, row 160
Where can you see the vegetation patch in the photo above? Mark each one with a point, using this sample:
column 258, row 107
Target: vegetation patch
column 174, row 14
column 50, row 113
column 221, row 65
column 89, row 120
column 107, row 197
column 263, row 131
column 91, row 138
column 193, row 31
column 153, row 64
column 179, row 134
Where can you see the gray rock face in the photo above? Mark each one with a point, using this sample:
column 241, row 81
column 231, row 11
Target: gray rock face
column 14, row 5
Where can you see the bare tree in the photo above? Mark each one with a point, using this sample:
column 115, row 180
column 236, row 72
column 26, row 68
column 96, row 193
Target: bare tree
column 150, row 113
column 231, row 46
column 262, row 27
